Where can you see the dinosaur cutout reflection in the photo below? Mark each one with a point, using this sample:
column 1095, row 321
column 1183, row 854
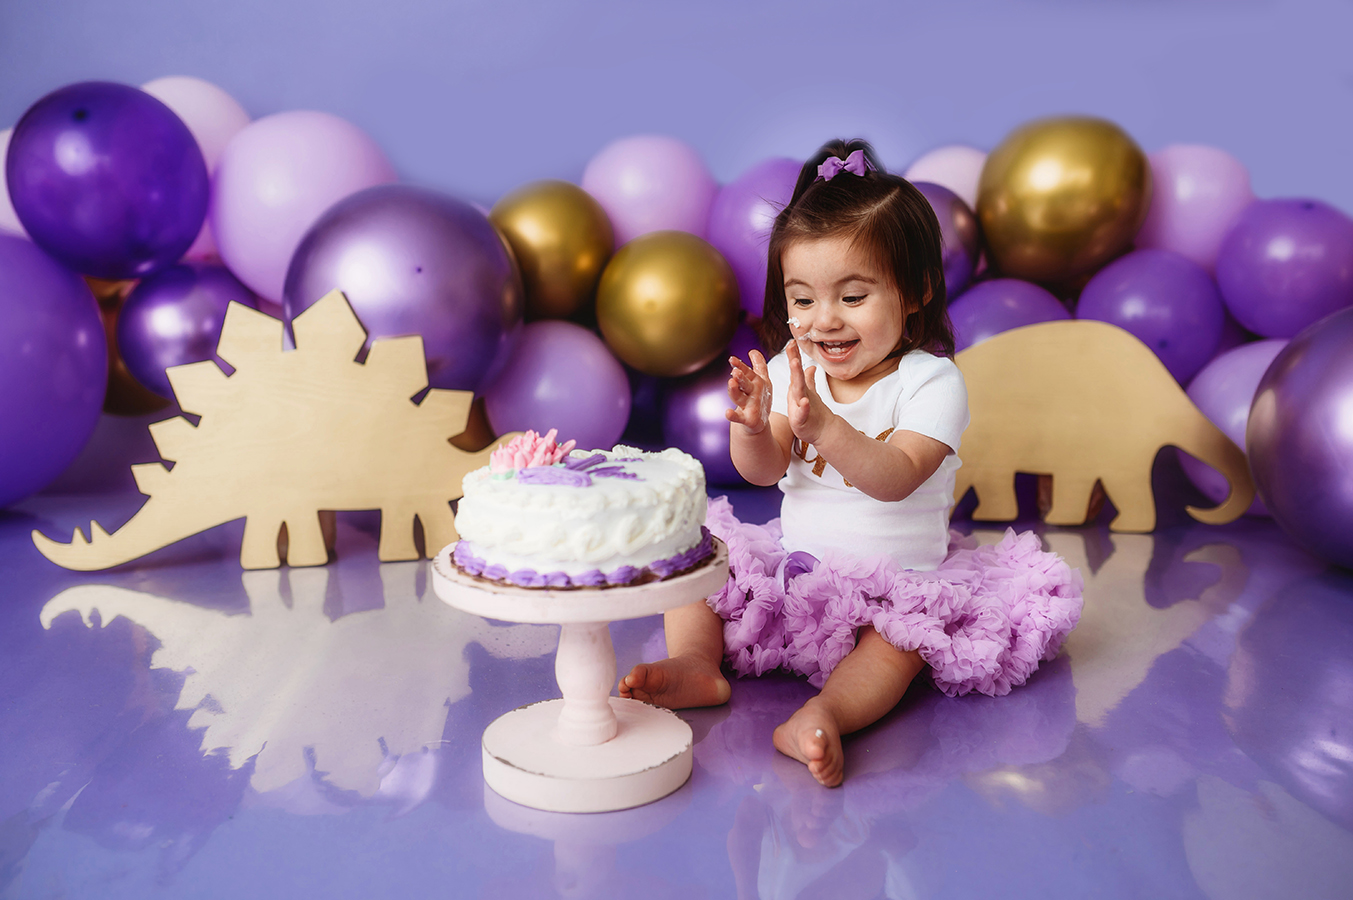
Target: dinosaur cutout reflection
column 292, row 433
column 283, row 680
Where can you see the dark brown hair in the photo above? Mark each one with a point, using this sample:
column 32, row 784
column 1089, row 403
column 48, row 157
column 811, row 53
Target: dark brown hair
column 886, row 216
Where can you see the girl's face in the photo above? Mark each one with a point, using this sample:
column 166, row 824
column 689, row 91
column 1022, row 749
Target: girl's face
column 848, row 311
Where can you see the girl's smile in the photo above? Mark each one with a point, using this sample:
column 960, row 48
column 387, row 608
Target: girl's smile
column 843, row 309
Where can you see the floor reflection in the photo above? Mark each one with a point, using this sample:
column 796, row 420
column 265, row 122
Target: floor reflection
column 299, row 693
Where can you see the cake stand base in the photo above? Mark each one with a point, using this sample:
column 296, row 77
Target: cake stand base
column 649, row 758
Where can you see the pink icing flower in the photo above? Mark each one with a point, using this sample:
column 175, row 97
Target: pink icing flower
column 528, row 450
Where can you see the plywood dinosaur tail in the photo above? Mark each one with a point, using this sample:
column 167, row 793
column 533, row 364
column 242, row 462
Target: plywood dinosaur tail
column 1209, row 444
column 149, row 529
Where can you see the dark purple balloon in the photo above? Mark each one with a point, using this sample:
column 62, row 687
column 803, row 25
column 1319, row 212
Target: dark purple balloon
column 174, row 317
column 740, row 222
column 693, row 421
column 988, row 308
column 1300, row 438
column 415, row 261
column 53, row 368
column 744, row 341
column 107, row 179
column 1286, row 264
column 1167, row 300
column 960, row 232
column 561, row 375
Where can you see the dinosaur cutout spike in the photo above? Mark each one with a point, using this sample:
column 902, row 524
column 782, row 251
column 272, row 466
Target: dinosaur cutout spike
column 329, row 328
column 398, row 361
column 149, row 477
column 248, row 335
column 291, row 433
column 1084, row 401
column 198, row 386
column 173, row 437
column 451, row 407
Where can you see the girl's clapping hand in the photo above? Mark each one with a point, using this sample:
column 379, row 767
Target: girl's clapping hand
column 749, row 388
column 808, row 415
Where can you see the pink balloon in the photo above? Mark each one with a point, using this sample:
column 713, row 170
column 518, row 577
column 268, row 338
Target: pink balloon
column 214, row 117
column 9, row 219
column 561, row 376
column 273, row 181
column 1224, row 391
column 956, row 166
column 651, row 183
column 1198, row 194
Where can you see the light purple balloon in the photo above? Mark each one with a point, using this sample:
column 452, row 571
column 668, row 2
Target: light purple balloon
column 174, row 317
column 1286, row 264
column 741, row 219
column 1300, row 438
column 959, row 232
column 1223, row 391
column 651, row 182
column 9, row 219
column 53, row 368
column 1198, row 193
column 275, row 178
column 1168, row 301
column 561, row 376
column 988, row 308
column 415, row 261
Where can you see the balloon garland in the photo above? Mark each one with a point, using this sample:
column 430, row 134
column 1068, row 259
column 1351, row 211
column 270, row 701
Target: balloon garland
column 648, row 263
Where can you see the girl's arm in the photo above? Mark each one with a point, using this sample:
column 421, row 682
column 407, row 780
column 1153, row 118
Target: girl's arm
column 759, row 440
column 889, row 470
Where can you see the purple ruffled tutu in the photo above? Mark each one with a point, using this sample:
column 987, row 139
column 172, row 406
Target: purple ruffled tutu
column 982, row 621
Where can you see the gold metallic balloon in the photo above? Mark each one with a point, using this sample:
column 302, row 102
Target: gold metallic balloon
column 667, row 303
column 562, row 240
column 1061, row 197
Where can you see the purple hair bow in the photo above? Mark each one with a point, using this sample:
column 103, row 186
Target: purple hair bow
column 855, row 164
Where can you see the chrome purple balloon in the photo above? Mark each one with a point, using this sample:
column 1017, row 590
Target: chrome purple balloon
column 1286, row 264
column 1300, row 438
column 1167, row 300
column 960, row 232
column 561, row 375
column 998, row 305
column 741, row 219
column 107, row 179
column 53, row 368
column 415, row 261
column 174, row 317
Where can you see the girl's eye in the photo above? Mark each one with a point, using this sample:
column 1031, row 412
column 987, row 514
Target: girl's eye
column 802, row 301
column 851, row 299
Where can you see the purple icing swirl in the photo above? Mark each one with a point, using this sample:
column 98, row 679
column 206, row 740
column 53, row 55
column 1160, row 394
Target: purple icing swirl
column 662, row 568
column 554, row 475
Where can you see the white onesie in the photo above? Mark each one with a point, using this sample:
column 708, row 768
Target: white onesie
column 925, row 395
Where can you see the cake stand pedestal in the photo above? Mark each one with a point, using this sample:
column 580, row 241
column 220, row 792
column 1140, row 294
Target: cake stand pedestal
column 589, row 751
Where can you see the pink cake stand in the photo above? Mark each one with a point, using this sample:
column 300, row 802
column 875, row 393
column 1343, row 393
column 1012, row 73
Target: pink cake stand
column 589, row 751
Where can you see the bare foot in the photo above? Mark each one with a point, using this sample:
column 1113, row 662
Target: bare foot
column 676, row 683
column 812, row 737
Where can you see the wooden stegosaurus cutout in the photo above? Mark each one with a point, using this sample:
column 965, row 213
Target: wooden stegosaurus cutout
column 1086, row 403
column 292, row 433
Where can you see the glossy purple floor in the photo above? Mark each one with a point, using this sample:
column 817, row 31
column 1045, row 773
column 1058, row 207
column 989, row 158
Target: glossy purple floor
column 178, row 728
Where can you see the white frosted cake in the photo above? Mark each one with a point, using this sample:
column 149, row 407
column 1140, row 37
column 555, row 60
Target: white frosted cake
column 552, row 517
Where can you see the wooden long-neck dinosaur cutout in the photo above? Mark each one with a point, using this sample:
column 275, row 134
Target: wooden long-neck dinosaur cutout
column 1084, row 402
column 291, row 433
